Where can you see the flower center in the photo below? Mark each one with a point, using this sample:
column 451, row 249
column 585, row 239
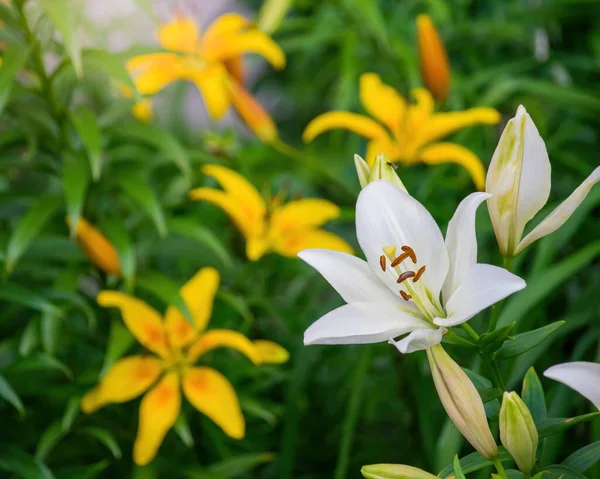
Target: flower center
column 408, row 273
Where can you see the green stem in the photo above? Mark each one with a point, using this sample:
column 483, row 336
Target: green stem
column 496, row 374
column 500, row 468
column 351, row 417
column 497, row 309
column 470, row 331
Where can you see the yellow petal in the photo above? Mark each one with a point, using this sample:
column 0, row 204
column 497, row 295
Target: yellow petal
column 158, row 412
column 291, row 245
column 435, row 68
column 235, row 68
column 223, row 28
column 423, row 106
column 142, row 321
column 271, row 352
column 212, row 83
column 453, row 153
column 142, row 110
column 253, row 114
column 443, row 124
column 359, row 124
column 96, row 247
column 376, row 147
column 214, row 396
column 199, row 295
column 126, row 379
column 223, row 338
column 381, row 101
column 302, row 214
column 257, row 246
column 180, row 35
column 155, row 71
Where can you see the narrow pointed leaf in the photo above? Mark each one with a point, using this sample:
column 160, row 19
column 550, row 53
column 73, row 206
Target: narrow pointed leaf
column 555, row 425
column 581, row 460
column 526, row 341
column 143, row 195
column 62, row 15
column 458, row 472
column 533, row 396
column 17, row 461
column 182, row 428
column 108, row 63
column 13, row 61
column 40, row 362
column 165, row 289
column 18, row 294
column 119, row 341
column 473, row 462
column 86, row 124
column 10, row 395
column 115, row 231
column 105, row 438
column 190, row 228
column 49, row 440
column 240, row 464
column 76, row 179
column 561, row 472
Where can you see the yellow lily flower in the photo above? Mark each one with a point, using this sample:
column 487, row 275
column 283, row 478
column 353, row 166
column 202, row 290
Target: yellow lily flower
column 142, row 110
column 177, row 345
column 407, row 133
column 213, row 63
column 97, row 248
column 435, row 68
column 286, row 229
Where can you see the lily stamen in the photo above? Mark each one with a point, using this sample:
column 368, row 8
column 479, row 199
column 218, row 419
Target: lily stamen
column 383, row 263
column 399, row 259
column 419, row 273
column 410, row 252
column 405, row 296
column 404, row 276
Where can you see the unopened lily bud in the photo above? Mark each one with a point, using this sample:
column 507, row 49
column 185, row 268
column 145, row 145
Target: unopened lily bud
column 461, row 401
column 253, row 114
column 97, row 248
column 517, row 431
column 382, row 169
column 394, row 471
column 433, row 59
column 272, row 13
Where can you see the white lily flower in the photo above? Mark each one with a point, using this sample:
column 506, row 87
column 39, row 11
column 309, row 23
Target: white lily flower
column 412, row 282
column 519, row 180
column 583, row 377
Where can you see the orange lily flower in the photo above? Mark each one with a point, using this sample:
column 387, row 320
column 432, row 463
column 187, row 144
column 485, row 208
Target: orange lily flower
column 435, row 68
column 213, row 62
column 177, row 345
column 407, row 133
column 97, row 248
column 286, row 229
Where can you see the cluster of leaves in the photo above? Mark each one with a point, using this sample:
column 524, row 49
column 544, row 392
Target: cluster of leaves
column 69, row 146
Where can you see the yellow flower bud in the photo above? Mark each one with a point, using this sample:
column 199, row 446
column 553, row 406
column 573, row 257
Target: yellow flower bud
column 435, row 68
column 382, row 169
column 394, row 471
column 518, row 432
column 253, row 114
column 461, row 401
column 97, row 248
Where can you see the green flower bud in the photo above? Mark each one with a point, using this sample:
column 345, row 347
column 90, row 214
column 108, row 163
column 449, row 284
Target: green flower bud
column 394, row 471
column 461, row 401
column 518, row 432
column 382, row 169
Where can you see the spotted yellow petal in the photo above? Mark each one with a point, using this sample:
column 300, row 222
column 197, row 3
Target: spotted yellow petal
column 152, row 72
column 291, row 245
column 214, row 396
column 221, row 30
column 96, row 247
column 142, row 110
column 126, row 379
column 382, row 101
column 435, row 68
column 359, row 124
column 158, row 412
column 199, row 295
column 179, row 35
column 223, row 338
column 212, row 83
column 143, row 321
column 453, row 153
column 303, row 214
column 271, row 352
column 443, row 124
column 253, row 114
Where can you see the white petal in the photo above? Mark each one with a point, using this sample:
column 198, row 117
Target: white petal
column 519, row 179
column 562, row 212
column 461, row 242
column 351, row 277
column 362, row 323
column 581, row 376
column 484, row 285
column 418, row 340
column 387, row 216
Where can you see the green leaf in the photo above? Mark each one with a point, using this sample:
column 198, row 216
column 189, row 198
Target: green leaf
column 458, row 472
column 526, row 341
column 240, row 464
column 50, row 327
column 10, row 395
column 533, row 396
column 119, row 341
column 104, row 437
column 560, row 472
column 115, row 231
column 62, row 15
column 13, row 60
column 584, row 458
column 474, row 462
column 238, row 303
column 39, row 362
column 82, row 472
column 86, row 124
column 18, row 294
column 76, row 179
column 71, row 412
column 489, row 394
column 165, row 289
column 28, row 228
column 109, row 63
column 190, row 228
column 555, row 425
column 30, row 339
column 142, row 194
column 49, row 440
column 182, row 428
column 16, row 460
column 490, row 342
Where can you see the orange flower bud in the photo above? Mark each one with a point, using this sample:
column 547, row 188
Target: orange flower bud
column 96, row 247
column 435, row 68
column 253, row 114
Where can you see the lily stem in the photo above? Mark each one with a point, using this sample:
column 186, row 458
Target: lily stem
column 497, row 309
column 470, row 331
column 500, row 468
column 497, row 375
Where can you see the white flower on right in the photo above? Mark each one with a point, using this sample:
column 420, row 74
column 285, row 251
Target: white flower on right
column 413, row 281
column 583, row 377
column 519, row 180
